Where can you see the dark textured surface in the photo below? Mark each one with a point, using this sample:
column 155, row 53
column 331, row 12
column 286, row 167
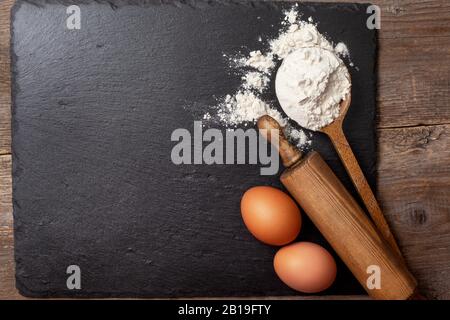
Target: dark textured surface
column 93, row 184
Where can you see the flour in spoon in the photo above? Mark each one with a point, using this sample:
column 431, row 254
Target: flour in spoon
column 310, row 84
column 323, row 82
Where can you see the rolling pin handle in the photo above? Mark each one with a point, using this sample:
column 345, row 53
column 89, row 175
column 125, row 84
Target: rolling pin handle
column 289, row 154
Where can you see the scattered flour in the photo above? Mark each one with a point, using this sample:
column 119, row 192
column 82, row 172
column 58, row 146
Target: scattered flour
column 341, row 49
column 308, row 89
column 207, row 116
column 298, row 137
column 245, row 106
column 260, row 61
column 291, row 16
column 298, row 35
column 255, row 80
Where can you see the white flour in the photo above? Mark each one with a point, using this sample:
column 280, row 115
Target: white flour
column 247, row 105
column 299, row 137
column 310, row 84
column 341, row 49
column 298, row 35
column 255, row 80
column 259, row 61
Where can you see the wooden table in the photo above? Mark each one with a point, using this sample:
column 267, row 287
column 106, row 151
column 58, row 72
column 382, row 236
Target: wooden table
column 413, row 136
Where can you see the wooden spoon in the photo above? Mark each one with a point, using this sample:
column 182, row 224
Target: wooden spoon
column 336, row 134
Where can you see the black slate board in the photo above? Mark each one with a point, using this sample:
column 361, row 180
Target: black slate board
column 93, row 111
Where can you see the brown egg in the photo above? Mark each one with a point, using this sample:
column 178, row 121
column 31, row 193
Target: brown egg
column 271, row 215
column 305, row 266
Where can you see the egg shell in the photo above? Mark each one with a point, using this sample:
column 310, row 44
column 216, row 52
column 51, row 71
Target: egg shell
column 305, row 267
column 271, row 215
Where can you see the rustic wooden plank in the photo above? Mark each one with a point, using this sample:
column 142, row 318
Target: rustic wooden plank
column 414, row 18
column 414, row 191
column 7, row 286
column 5, row 96
column 414, row 82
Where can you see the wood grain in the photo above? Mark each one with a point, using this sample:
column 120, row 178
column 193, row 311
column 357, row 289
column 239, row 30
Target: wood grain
column 414, row 161
column 7, row 281
column 289, row 154
column 414, row 81
column 5, row 79
column 7, row 278
column 414, row 191
column 336, row 134
column 347, row 228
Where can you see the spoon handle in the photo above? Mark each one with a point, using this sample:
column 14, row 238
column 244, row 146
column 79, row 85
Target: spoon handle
column 359, row 180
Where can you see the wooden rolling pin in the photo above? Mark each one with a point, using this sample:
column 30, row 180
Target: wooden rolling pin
column 340, row 219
